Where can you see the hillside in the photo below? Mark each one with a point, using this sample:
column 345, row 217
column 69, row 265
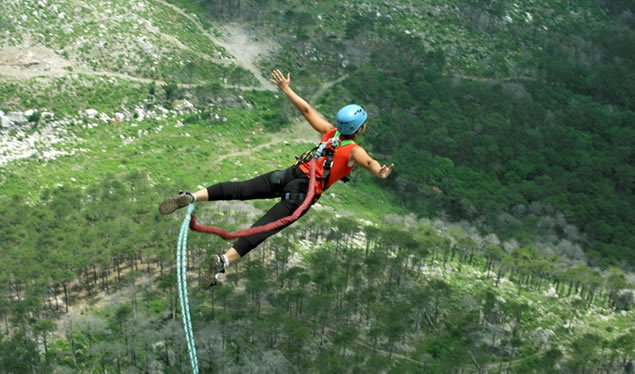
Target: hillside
column 501, row 244
column 509, row 109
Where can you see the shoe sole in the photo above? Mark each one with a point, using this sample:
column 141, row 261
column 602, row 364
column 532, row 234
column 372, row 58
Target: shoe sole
column 173, row 203
column 209, row 279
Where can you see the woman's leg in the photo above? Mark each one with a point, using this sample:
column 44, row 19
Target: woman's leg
column 232, row 255
column 284, row 208
column 260, row 187
column 298, row 183
column 219, row 263
column 279, row 210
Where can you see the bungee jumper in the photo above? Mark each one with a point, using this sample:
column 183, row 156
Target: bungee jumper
column 331, row 161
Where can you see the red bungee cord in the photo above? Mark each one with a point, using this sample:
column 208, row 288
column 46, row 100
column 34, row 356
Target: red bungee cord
column 270, row 226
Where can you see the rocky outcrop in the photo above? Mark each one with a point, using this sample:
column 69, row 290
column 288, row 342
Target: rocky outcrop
column 541, row 336
column 183, row 106
column 4, row 121
column 19, row 138
column 18, row 141
column 13, row 119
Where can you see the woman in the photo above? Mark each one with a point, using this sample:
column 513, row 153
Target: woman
column 291, row 184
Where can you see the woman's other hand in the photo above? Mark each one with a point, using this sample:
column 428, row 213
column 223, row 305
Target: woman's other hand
column 384, row 171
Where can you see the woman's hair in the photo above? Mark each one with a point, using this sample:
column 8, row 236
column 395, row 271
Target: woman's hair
column 349, row 137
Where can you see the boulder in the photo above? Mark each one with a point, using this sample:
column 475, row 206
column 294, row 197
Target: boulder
column 16, row 118
column 183, row 106
column 541, row 336
column 4, row 121
column 139, row 113
column 119, row 117
column 232, row 102
column 91, row 113
column 104, row 117
column 551, row 292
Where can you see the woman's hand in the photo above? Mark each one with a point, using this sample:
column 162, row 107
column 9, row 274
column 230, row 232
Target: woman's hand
column 279, row 80
column 384, row 171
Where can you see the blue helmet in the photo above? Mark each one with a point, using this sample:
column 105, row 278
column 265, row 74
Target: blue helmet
column 350, row 118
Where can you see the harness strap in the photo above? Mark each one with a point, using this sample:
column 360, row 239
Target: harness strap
column 328, row 161
column 294, row 197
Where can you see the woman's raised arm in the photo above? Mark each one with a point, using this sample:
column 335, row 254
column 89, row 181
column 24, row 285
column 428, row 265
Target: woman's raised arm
column 312, row 116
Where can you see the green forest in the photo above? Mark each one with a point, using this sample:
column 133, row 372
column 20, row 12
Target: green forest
column 502, row 242
column 563, row 93
column 347, row 307
column 501, row 140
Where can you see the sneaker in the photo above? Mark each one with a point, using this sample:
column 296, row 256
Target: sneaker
column 217, row 266
column 171, row 204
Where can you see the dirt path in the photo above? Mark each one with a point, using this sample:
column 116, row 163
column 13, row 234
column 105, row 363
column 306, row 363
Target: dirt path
column 299, row 132
column 325, row 87
column 494, row 80
column 160, row 82
column 25, row 63
column 493, row 367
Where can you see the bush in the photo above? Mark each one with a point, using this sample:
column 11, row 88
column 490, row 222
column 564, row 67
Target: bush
column 171, row 90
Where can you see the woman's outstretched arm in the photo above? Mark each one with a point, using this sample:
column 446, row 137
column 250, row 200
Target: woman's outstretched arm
column 312, row 116
column 361, row 157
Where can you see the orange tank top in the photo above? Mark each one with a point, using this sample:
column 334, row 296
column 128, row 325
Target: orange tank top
column 339, row 169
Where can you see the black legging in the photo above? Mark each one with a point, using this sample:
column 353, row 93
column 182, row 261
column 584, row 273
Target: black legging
column 263, row 187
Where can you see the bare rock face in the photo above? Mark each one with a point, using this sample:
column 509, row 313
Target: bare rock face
column 26, row 62
column 183, row 106
column 542, row 336
column 91, row 113
column 118, row 117
column 14, row 118
column 16, row 142
column 4, row 121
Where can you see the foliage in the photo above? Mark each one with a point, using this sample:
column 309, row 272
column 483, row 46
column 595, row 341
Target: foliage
column 486, row 120
column 494, row 145
column 348, row 305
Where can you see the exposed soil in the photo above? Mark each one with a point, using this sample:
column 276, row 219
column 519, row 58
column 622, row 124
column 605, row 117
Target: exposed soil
column 239, row 43
column 19, row 63
column 24, row 63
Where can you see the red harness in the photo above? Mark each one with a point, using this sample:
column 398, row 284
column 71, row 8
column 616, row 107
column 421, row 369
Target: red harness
column 332, row 166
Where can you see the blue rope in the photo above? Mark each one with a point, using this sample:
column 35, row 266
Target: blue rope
column 181, row 273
